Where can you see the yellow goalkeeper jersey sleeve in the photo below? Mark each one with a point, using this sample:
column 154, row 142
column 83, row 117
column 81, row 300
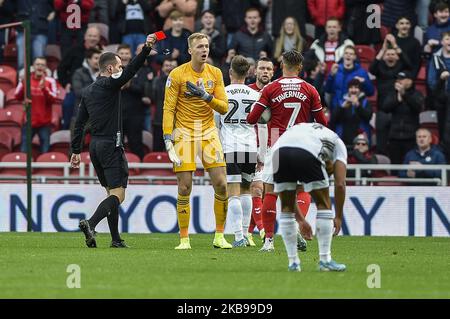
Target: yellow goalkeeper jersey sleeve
column 192, row 114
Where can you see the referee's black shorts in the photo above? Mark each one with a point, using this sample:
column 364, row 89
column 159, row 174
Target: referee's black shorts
column 109, row 162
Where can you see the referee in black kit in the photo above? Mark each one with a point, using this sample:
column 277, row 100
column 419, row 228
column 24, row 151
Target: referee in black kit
column 100, row 105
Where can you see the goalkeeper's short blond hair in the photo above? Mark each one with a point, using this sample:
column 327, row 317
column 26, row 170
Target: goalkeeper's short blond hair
column 196, row 36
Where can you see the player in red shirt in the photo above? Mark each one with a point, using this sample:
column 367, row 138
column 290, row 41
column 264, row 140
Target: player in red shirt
column 291, row 100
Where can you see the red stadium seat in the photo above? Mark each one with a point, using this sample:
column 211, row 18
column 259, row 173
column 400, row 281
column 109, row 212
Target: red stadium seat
column 13, row 158
column 60, row 141
column 366, row 54
column 10, row 54
column 133, row 158
column 422, row 75
column 11, row 120
column 11, row 97
column 6, row 143
column 8, row 78
column 51, row 157
column 147, row 140
column 157, row 157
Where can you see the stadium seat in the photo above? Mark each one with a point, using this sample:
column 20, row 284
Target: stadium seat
column 11, row 97
column 147, row 140
column 51, row 157
column 132, row 158
column 8, row 78
column 382, row 159
column 60, row 141
column 366, row 54
column 11, row 120
column 6, row 143
column 384, row 31
column 157, row 157
column 53, row 54
column 13, row 158
column 422, row 75
column 10, row 54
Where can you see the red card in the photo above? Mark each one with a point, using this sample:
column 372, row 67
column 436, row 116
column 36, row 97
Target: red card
column 160, row 35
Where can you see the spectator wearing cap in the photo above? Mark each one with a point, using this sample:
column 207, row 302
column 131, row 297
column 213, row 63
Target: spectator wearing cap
column 404, row 103
column 438, row 82
column 361, row 154
column 423, row 154
column 352, row 114
column 431, row 38
column 341, row 74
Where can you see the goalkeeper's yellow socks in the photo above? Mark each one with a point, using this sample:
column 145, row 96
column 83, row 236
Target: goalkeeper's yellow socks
column 220, row 211
column 184, row 214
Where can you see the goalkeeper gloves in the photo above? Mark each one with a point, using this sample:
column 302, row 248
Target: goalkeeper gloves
column 171, row 150
column 198, row 91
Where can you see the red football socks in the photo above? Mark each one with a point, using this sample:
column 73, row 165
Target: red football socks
column 269, row 213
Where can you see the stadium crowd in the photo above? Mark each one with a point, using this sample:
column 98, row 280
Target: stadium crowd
column 379, row 84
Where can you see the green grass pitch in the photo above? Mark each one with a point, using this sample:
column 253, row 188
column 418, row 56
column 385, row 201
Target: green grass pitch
column 33, row 265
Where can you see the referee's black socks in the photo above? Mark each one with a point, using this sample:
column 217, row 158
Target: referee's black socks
column 109, row 207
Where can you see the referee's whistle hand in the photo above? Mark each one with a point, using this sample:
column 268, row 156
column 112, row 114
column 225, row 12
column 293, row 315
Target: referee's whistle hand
column 75, row 160
column 151, row 40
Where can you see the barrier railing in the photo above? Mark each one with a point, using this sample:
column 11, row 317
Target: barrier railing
column 82, row 178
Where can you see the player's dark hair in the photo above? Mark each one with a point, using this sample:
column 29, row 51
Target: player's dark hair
column 292, row 58
column 91, row 51
column 106, row 59
column 240, row 66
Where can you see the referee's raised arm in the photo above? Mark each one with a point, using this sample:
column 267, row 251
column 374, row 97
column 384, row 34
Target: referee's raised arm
column 123, row 76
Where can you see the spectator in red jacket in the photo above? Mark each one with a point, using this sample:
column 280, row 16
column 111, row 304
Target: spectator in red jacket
column 43, row 94
column 321, row 10
column 69, row 31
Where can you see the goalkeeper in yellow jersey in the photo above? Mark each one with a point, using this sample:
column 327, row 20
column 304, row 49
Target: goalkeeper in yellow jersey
column 195, row 90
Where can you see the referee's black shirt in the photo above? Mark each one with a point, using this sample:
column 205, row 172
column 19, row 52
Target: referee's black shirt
column 100, row 103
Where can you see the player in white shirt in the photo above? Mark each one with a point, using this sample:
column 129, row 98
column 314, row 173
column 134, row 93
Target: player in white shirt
column 240, row 149
column 307, row 153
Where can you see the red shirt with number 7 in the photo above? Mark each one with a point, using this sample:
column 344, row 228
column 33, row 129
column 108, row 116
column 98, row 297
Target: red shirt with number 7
column 291, row 101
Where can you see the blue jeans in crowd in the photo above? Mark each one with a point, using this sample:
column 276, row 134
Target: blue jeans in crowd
column 133, row 40
column 38, row 45
column 44, row 138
